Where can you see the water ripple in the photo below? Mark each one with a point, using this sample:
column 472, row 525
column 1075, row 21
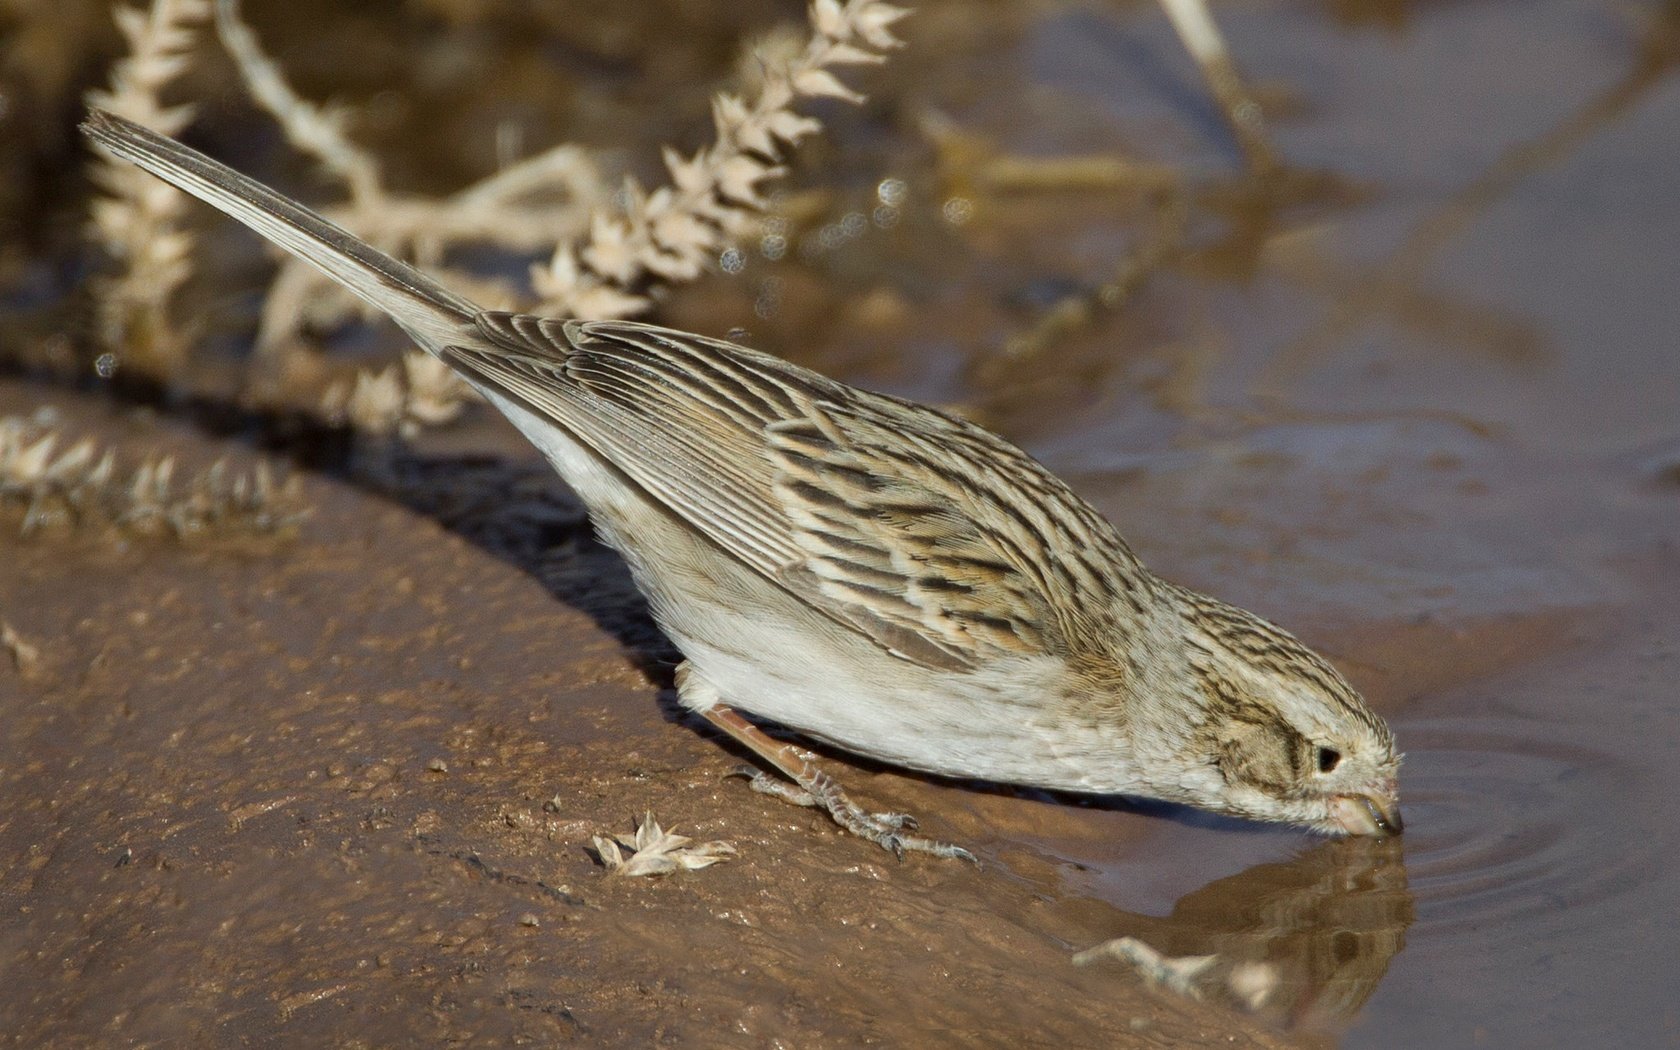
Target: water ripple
column 1509, row 820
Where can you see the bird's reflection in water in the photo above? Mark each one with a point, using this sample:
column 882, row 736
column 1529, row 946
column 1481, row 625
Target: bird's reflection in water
column 1304, row 942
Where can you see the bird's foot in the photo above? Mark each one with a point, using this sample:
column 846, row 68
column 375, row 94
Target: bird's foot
column 818, row 790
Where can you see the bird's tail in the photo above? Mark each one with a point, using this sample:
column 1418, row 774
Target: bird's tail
column 430, row 313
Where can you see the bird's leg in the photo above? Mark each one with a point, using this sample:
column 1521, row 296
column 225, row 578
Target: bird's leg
column 815, row 788
column 811, row 786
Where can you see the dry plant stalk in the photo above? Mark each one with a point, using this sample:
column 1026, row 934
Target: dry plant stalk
column 138, row 219
column 82, row 486
column 1074, row 312
column 1195, row 26
column 670, row 234
column 525, row 207
column 606, row 263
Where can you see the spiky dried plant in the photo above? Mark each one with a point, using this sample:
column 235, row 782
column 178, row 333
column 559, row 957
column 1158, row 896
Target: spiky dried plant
column 82, row 486
column 527, row 206
column 138, row 218
column 401, row 400
column 716, row 195
column 655, row 851
column 608, row 259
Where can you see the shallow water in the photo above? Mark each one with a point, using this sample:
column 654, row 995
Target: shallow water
column 1428, row 438
column 1435, row 432
column 1423, row 408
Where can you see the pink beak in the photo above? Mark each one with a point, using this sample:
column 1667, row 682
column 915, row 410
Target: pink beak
column 1367, row 814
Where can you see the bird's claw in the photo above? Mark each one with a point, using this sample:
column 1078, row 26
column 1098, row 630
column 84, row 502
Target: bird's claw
column 765, row 784
column 886, row 830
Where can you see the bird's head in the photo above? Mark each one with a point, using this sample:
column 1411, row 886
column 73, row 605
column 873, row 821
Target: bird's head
column 1287, row 737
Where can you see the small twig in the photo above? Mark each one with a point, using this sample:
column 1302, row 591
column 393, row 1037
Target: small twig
column 1076, row 311
column 1201, row 36
column 316, row 130
column 26, row 657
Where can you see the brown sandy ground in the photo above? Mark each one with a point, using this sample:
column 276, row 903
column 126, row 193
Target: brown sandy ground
column 338, row 790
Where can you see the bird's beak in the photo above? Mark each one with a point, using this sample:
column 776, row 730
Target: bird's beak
column 1377, row 815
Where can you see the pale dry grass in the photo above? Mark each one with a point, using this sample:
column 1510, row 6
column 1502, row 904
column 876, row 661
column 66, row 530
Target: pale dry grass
column 610, row 249
column 137, row 218
column 54, row 483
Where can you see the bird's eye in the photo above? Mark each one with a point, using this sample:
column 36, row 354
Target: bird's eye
column 1328, row 758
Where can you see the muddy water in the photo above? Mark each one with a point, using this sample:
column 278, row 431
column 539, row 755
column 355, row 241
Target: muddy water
column 1464, row 443
column 1430, row 419
column 1418, row 400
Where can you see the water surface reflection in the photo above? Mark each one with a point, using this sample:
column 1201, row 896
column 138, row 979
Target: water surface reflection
column 1303, row 942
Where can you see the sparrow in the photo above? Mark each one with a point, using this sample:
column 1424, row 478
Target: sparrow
column 876, row 574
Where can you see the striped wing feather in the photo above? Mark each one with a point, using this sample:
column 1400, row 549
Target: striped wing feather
column 920, row 530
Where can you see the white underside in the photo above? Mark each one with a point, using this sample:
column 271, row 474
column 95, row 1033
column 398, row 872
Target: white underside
column 767, row 653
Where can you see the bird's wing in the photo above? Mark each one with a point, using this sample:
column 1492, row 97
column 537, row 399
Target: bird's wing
column 933, row 537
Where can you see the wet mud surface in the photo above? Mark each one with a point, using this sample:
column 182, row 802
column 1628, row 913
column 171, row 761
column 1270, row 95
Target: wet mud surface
column 345, row 788
column 1420, row 404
